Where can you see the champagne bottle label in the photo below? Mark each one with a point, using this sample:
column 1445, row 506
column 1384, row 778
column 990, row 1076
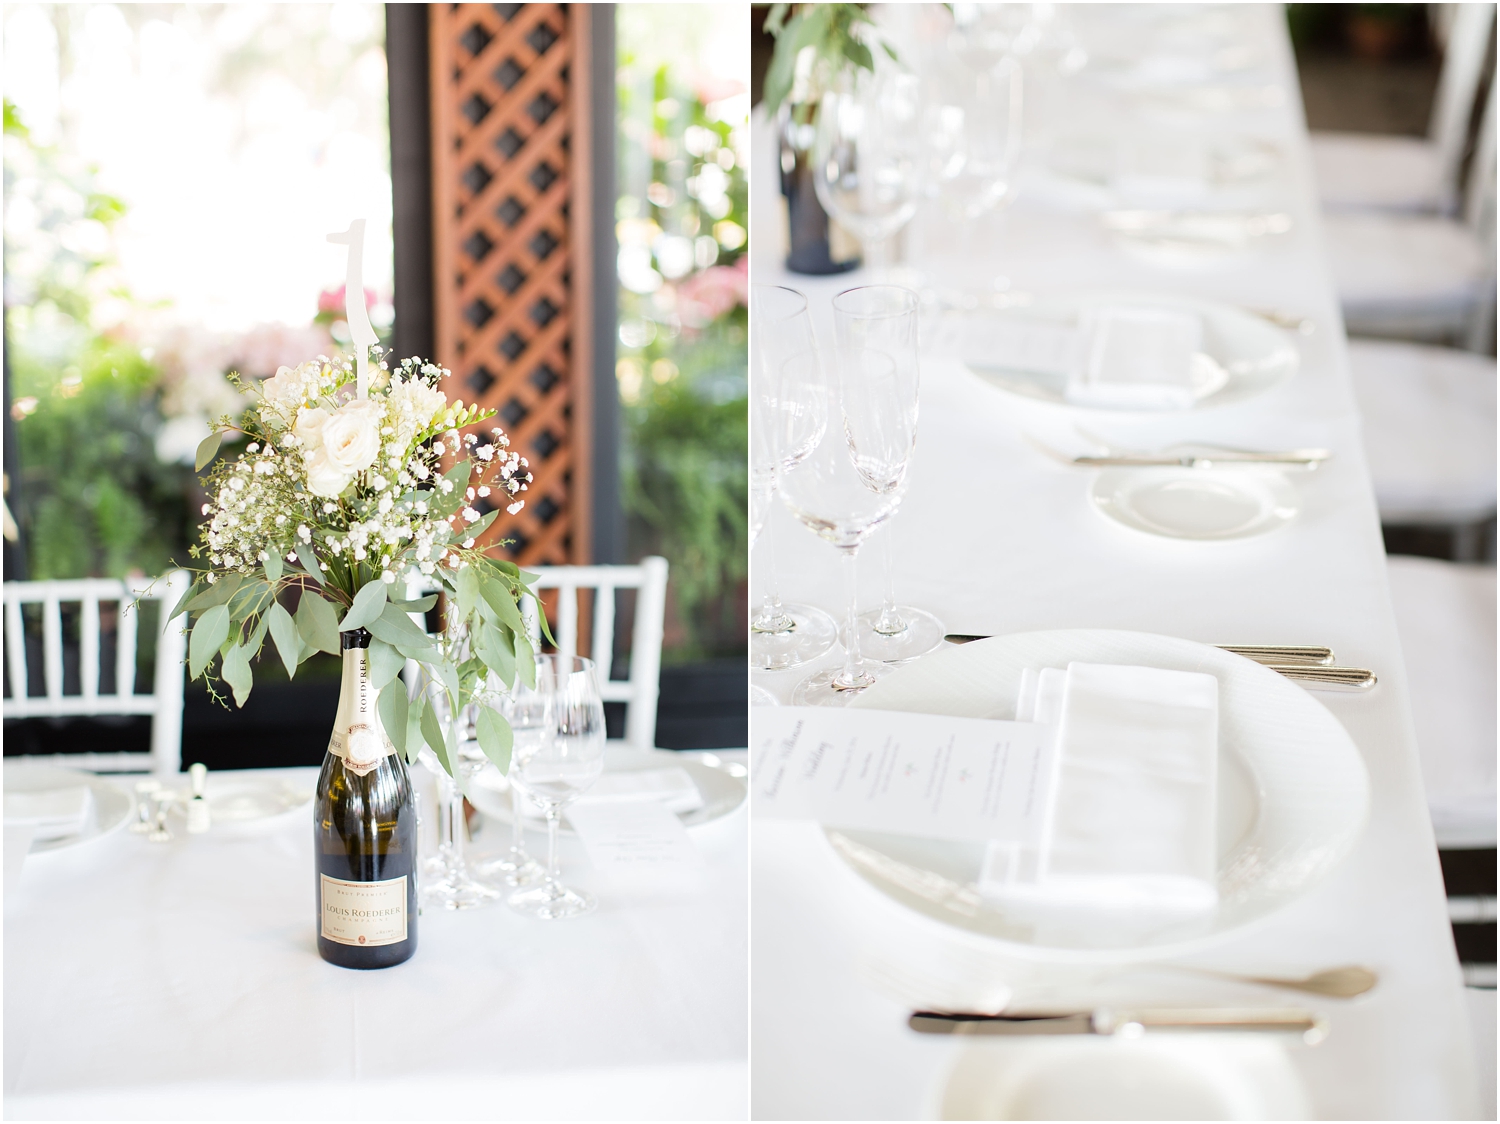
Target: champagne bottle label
column 366, row 914
column 358, row 736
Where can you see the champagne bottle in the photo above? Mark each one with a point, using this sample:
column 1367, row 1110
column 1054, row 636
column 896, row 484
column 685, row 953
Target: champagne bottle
column 364, row 831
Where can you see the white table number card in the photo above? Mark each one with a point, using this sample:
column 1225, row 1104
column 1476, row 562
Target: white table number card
column 637, row 843
column 910, row 774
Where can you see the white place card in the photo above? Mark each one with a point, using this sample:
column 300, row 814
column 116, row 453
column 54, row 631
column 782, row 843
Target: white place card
column 909, row 774
column 636, row 842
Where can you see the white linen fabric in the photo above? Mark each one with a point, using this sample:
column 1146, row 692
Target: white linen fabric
column 994, row 537
column 1138, row 358
column 182, row 981
column 1429, row 429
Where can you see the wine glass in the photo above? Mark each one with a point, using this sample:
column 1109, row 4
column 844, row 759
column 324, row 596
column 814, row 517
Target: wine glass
column 827, row 493
column 556, row 769
column 867, row 154
column 785, row 425
column 880, row 418
column 449, row 882
column 529, row 712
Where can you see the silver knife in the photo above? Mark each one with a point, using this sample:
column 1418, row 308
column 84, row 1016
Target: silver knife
column 1307, row 458
column 1130, row 1022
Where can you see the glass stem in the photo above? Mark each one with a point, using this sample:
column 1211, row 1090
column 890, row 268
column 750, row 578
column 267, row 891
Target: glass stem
column 772, row 617
column 517, row 835
column 852, row 678
column 457, row 828
column 445, row 820
column 554, row 814
column 890, row 622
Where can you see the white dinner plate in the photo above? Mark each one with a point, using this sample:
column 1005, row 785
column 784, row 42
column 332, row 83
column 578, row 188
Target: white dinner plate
column 1196, row 503
column 1293, row 791
column 111, row 806
column 721, row 789
column 248, row 805
column 1159, row 1077
column 1250, row 354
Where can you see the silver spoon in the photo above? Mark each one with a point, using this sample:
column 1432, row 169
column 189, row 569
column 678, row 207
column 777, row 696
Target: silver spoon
column 1342, row 983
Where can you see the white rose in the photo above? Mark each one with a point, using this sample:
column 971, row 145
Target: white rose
column 351, row 437
column 286, row 389
column 309, row 426
column 324, row 478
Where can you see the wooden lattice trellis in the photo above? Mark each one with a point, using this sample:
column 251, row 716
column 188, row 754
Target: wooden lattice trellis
column 510, row 215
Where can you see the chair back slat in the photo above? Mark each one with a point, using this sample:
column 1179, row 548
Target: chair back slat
column 88, row 648
column 125, row 642
column 52, row 654
column 1463, row 69
column 15, row 649
column 603, row 646
column 567, row 619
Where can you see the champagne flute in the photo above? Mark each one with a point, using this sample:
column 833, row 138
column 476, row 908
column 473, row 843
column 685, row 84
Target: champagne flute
column 880, row 419
column 450, row 884
column 529, row 712
column 826, row 492
column 555, row 770
column 867, row 155
column 785, row 426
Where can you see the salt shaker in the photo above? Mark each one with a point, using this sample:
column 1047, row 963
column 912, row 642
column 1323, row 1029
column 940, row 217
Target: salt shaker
column 197, row 809
column 143, row 794
column 159, row 831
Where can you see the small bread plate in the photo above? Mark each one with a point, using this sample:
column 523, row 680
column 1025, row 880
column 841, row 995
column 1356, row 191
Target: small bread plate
column 109, row 807
column 1197, row 503
column 720, row 784
column 249, row 805
column 1293, row 794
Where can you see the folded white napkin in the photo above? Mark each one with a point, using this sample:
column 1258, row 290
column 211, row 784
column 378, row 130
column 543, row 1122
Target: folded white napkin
column 53, row 813
column 1140, row 359
column 1134, row 793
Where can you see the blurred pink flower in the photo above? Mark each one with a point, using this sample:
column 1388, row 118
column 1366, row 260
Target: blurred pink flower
column 331, row 301
column 710, row 88
column 708, row 295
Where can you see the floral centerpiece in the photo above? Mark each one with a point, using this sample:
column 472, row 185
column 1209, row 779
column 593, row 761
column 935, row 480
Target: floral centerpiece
column 340, row 495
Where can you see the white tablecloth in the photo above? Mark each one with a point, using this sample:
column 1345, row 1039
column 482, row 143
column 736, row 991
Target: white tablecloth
column 183, row 981
column 994, row 538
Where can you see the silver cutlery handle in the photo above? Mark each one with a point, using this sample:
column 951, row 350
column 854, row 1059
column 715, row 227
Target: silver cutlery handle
column 1129, row 1023
column 1328, row 678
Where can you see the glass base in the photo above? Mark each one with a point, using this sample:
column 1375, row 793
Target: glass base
column 819, row 689
column 923, row 633
column 813, row 632
column 450, row 886
column 552, row 901
column 759, row 696
column 509, row 868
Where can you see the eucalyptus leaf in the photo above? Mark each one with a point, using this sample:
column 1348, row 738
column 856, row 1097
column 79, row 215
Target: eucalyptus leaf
column 237, row 673
column 432, row 734
column 396, row 628
column 318, row 623
column 258, row 637
column 498, row 654
column 368, row 604
column 217, row 593
column 385, row 663
column 208, row 448
column 475, row 529
column 495, row 738
column 273, row 566
column 393, row 712
column 414, row 728
column 189, row 594
column 525, row 660
column 284, row 633
column 251, row 598
column 419, row 605
column 468, row 591
column 309, row 560
column 498, row 596
column 210, row 631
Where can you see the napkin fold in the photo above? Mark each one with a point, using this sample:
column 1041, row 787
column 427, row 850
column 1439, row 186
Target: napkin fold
column 1138, row 358
column 52, row 813
column 1132, row 817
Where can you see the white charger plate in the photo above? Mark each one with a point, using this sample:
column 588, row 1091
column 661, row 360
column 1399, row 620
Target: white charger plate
column 1293, row 790
column 1255, row 355
column 248, row 805
column 721, row 789
column 1196, row 503
column 111, row 806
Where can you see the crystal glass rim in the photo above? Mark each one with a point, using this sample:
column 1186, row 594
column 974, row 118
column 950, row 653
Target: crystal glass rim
column 778, row 317
column 907, row 301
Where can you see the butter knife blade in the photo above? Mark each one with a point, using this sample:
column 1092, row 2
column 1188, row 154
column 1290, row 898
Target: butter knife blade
column 1128, row 1023
column 1309, row 458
